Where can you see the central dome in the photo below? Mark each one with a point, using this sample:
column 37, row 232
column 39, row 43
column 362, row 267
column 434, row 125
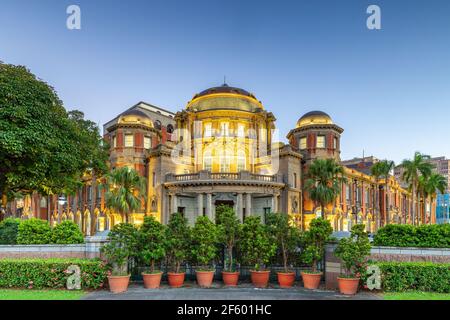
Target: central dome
column 225, row 98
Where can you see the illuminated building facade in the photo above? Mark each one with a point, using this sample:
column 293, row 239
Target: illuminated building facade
column 223, row 149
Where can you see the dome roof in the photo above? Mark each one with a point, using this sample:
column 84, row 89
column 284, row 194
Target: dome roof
column 225, row 97
column 135, row 116
column 314, row 117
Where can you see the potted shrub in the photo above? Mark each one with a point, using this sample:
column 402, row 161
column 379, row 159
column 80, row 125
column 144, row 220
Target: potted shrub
column 204, row 241
column 314, row 240
column 286, row 236
column 178, row 236
column 229, row 228
column 353, row 252
column 256, row 249
column 152, row 237
column 121, row 247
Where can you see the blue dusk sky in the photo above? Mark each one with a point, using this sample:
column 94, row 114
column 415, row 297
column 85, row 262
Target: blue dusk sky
column 389, row 89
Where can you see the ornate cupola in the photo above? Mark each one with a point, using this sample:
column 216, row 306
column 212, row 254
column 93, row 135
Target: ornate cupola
column 316, row 136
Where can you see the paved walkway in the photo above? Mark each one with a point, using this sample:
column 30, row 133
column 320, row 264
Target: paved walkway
column 244, row 292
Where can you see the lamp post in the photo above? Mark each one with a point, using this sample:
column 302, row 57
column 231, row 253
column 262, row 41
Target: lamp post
column 62, row 201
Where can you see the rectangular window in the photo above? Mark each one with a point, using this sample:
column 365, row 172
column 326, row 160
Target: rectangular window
column 224, row 129
column 303, row 145
column 267, row 211
column 114, row 142
column 241, row 131
column 347, row 193
column 147, row 143
column 320, row 142
column 208, row 130
column 225, row 164
column 129, row 140
column 154, row 179
column 295, row 180
column 335, row 143
column 241, row 164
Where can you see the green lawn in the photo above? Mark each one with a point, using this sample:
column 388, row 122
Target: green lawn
column 416, row 295
column 12, row 294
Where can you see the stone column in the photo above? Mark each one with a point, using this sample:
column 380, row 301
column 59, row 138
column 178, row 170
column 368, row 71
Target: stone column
column 239, row 205
column 199, row 206
column 174, row 204
column 248, row 205
column 165, row 208
column 275, row 203
column 209, row 211
column 213, row 212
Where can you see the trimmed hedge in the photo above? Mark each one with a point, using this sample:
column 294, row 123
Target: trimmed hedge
column 34, row 231
column 424, row 236
column 67, row 232
column 37, row 231
column 420, row 276
column 9, row 229
column 50, row 273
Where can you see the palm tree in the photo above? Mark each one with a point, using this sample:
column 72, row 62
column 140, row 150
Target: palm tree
column 383, row 169
column 323, row 185
column 125, row 189
column 433, row 184
column 412, row 169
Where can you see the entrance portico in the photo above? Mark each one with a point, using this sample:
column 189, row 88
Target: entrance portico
column 195, row 198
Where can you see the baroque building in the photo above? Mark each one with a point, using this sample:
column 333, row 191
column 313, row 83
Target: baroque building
column 223, row 149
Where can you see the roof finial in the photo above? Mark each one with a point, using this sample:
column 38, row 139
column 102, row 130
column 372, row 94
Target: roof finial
column 225, row 81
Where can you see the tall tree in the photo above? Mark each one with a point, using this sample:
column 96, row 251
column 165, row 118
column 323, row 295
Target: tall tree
column 383, row 169
column 412, row 169
column 125, row 189
column 41, row 146
column 430, row 186
column 325, row 177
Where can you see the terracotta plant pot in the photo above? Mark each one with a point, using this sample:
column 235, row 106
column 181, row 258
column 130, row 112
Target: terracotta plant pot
column 152, row 280
column 260, row 279
column 176, row 280
column 230, row 279
column 204, row 278
column 286, row 280
column 348, row 286
column 311, row 280
column 118, row 284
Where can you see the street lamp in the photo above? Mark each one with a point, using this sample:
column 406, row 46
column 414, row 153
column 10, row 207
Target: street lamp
column 62, row 200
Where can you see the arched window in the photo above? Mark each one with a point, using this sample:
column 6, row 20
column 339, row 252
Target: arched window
column 241, row 161
column 170, row 128
column 157, row 124
column 207, row 160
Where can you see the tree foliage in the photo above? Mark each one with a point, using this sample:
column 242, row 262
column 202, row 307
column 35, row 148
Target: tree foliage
column 285, row 235
column 354, row 251
column 42, row 147
column 412, row 170
column 122, row 246
column 204, row 240
column 323, row 184
column 152, row 241
column 256, row 246
column 314, row 240
column 229, row 228
column 178, row 240
column 125, row 191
